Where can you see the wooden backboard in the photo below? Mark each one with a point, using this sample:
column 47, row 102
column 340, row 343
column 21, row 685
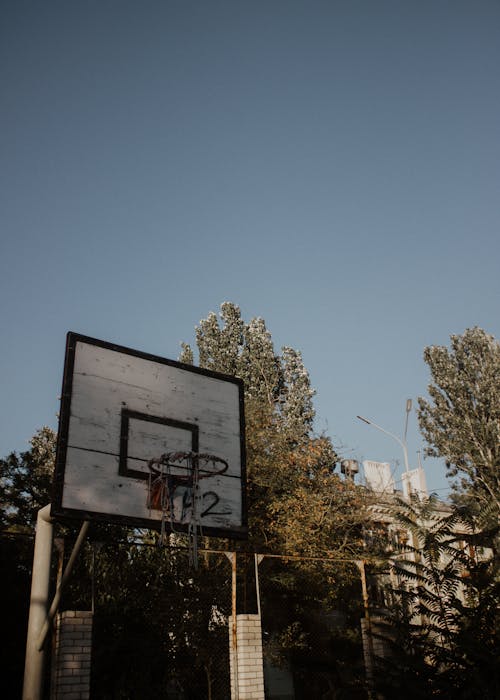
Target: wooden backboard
column 121, row 408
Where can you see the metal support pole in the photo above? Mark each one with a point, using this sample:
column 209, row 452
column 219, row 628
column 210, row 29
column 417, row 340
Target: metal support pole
column 57, row 598
column 257, row 559
column 234, row 627
column 366, row 604
column 33, row 667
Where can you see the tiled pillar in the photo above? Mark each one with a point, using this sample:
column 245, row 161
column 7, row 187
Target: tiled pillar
column 247, row 673
column 71, row 665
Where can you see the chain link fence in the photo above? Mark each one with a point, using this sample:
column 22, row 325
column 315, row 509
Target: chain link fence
column 161, row 627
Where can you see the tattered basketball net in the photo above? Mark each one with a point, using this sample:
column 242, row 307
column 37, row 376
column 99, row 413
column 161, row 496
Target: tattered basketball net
column 176, row 495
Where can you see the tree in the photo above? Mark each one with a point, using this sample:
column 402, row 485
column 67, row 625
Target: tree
column 25, row 481
column 297, row 505
column 161, row 623
column 444, row 625
column 443, row 628
column 461, row 421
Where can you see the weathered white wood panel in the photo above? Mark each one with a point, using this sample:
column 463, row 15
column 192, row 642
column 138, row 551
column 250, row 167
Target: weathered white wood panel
column 176, row 409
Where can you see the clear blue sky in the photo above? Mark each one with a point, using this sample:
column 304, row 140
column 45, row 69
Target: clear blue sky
column 330, row 166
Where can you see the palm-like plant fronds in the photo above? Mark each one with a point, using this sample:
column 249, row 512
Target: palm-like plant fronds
column 443, row 628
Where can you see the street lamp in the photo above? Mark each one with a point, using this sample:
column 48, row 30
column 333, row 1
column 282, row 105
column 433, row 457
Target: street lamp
column 395, row 437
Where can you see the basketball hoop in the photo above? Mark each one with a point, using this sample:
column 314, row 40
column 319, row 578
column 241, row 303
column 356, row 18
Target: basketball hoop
column 173, row 489
column 120, row 408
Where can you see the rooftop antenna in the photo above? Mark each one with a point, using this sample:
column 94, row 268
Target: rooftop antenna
column 408, row 411
column 419, row 460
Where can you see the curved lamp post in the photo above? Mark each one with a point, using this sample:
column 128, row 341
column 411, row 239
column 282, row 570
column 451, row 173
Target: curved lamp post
column 395, row 437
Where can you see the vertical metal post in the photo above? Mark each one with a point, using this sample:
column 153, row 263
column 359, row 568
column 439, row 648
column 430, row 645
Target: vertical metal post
column 257, row 559
column 67, row 571
column 366, row 604
column 34, row 662
column 235, row 627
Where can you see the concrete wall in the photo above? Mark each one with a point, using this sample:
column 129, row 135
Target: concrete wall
column 71, row 661
column 247, row 674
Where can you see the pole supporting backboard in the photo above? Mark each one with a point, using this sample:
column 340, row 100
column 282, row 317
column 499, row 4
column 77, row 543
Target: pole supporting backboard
column 57, row 597
column 40, row 582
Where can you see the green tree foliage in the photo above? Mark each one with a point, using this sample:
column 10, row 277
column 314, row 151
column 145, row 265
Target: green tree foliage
column 278, row 386
column 25, row 481
column 161, row 623
column 443, row 631
column 461, row 421
column 297, row 505
column 444, row 624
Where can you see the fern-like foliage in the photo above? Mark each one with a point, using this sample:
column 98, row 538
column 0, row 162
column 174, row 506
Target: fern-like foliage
column 443, row 626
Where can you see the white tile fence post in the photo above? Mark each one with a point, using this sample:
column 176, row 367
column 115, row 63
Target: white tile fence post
column 73, row 647
column 247, row 671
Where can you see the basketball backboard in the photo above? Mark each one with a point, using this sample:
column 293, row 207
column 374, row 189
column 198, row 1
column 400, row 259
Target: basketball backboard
column 121, row 408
